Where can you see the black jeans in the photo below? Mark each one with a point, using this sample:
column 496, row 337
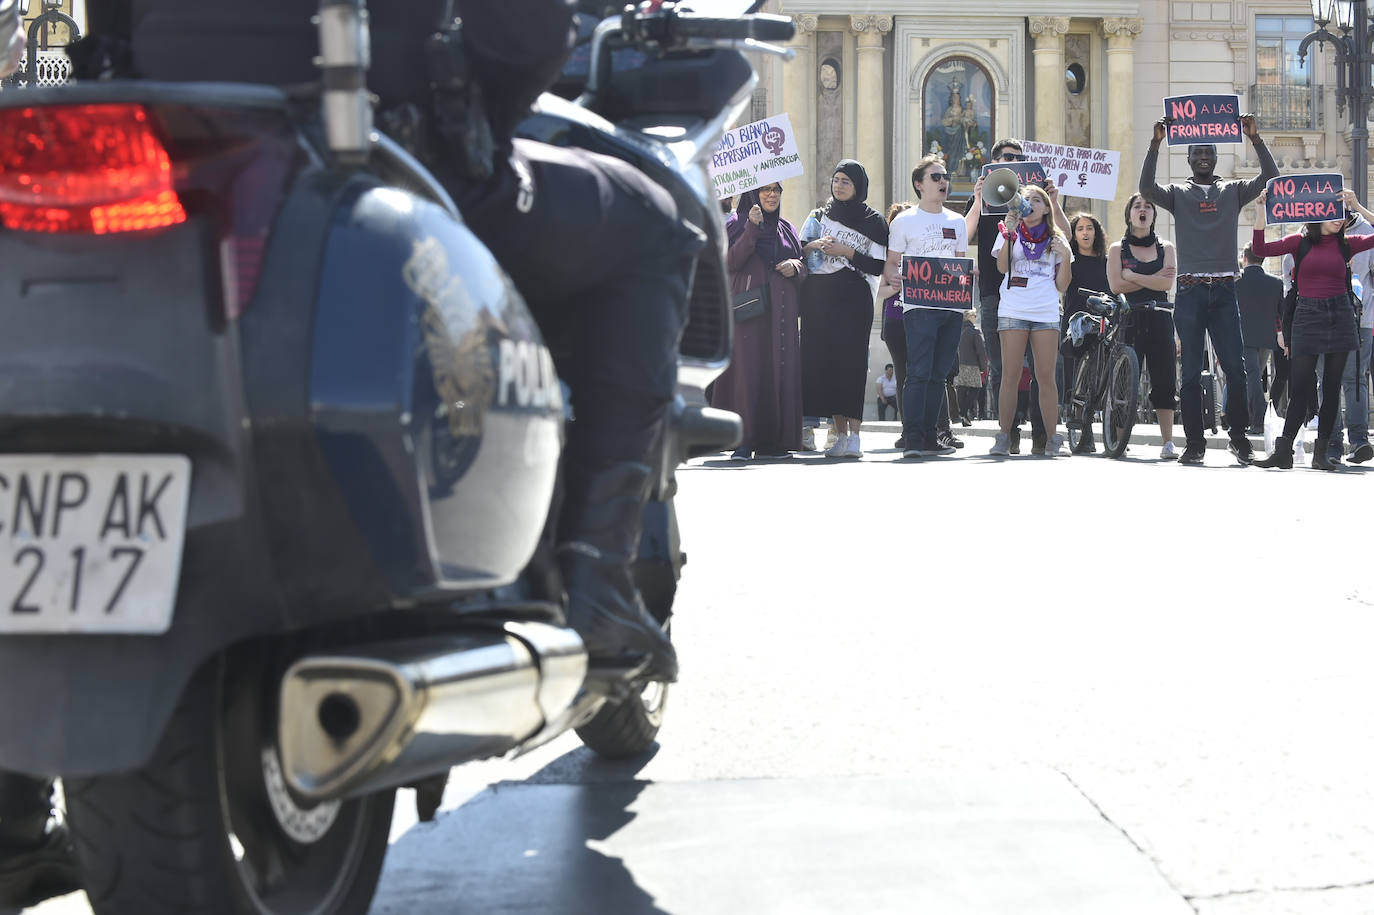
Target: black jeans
column 885, row 404
column 604, row 260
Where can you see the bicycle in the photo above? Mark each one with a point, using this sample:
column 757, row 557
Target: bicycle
column 1107, row 377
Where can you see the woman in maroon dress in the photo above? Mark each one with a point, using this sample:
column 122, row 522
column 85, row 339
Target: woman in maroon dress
column 763, row 383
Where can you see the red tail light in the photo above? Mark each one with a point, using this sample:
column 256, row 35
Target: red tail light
column 92, row 169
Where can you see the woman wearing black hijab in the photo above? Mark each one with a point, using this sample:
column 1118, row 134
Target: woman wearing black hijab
column 846, row 248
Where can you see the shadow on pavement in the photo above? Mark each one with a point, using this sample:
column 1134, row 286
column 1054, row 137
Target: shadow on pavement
column 525, row 847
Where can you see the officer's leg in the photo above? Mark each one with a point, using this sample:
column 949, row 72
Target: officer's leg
column 604, row 261
column 35, row 864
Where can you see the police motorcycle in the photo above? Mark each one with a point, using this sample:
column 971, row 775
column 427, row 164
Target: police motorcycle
column 279, row 444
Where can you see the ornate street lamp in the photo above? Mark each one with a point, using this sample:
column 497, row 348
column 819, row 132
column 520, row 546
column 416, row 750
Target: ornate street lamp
column 1352, row 73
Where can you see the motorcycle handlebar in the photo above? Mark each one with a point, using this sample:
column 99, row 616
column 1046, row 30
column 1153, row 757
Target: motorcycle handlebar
column 760, row 26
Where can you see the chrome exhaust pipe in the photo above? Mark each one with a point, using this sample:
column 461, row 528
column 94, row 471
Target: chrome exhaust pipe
column 351, row 723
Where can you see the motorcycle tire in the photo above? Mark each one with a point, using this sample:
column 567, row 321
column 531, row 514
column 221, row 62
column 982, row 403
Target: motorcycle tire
column 1119, row 401
column 207, row 826
column 621, row 730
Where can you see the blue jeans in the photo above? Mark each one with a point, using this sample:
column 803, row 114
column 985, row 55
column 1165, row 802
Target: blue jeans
column 1256, row 358
column 1200, row 311
column 932, row 346
column 1356, row 395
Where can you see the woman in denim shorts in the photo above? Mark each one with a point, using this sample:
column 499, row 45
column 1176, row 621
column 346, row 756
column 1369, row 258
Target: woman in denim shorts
column 1036, row 259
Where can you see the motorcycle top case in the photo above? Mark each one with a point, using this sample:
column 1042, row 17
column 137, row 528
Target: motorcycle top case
column 313, row 398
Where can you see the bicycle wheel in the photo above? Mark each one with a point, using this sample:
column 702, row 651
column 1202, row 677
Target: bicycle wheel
column 1078, row 411
column 1118, row 408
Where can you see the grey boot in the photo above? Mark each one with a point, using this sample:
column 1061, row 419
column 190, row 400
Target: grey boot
column 599, row 530
column 1320, row 459
column 1281, row 457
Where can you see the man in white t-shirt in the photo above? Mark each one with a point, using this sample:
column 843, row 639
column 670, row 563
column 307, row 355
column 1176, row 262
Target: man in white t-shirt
column 885, row 386
column 932, row 334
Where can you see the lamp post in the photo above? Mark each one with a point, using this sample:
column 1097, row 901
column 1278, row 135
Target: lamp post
column 1352, row 73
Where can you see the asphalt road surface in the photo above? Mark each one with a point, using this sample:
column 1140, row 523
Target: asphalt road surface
column 965, row 685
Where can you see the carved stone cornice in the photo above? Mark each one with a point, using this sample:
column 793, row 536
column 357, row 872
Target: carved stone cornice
column 1049, row 26
column 878, row 25
column 1124, row 27
column 1210, row 35
column 805, row 22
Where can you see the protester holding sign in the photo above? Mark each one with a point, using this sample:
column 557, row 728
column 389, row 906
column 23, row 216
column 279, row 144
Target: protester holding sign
column 1035, row 256
column 982, row 229
column 1143, row 266
column 763, row 382
column 931, row 327
column 1323, row 322
column 1206, row 216
column 846, row 241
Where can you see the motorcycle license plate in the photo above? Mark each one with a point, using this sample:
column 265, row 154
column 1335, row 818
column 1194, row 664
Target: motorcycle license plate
column 91, row 543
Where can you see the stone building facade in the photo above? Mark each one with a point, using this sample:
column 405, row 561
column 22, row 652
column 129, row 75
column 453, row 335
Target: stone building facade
column 882, row 80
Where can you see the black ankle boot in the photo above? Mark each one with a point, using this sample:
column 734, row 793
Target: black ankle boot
column 1281, row 457
column 598, row 540
column 35, row 864
column 1320, row 459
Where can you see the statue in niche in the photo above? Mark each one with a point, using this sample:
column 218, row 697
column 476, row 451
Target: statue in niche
column 957, row 103
column 830, row 76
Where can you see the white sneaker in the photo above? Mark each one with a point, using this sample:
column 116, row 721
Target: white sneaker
column 1000, row 445
column 808, row 440
column 830, row 439
column 1168, row 452
column 1055, row 446
column 840, row 446
column 852, row 450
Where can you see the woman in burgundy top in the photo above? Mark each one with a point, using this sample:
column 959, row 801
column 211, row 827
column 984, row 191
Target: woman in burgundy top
column 1324, row 324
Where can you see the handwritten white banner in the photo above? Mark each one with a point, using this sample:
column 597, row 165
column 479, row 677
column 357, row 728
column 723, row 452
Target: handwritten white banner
column 1078, row 171
column 755, row 155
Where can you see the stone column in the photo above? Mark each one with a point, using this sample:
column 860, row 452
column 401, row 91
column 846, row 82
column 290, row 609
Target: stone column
column 1121, row 33
column 798, row 101
column 1049, row 32
column 871, row 115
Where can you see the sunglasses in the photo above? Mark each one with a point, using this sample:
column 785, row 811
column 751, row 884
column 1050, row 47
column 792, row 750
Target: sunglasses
column 939, row 176
column 1012, row 157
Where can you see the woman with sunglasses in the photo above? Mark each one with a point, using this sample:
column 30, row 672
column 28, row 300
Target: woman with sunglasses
column 932, row 334
column 763, row 382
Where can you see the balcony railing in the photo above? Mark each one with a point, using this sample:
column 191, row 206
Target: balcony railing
column 1286, row 107
column 53, row 69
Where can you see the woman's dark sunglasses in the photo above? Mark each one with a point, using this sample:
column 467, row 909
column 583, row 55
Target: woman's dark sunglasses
column 938, row 176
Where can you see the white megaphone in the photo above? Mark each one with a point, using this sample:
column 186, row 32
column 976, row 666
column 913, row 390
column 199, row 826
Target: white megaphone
column 1001, row 188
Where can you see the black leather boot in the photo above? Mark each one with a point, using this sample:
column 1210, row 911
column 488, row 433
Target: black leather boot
column 1320, row 459
column 1281, row 457
column 35, row 863
column 598, row 540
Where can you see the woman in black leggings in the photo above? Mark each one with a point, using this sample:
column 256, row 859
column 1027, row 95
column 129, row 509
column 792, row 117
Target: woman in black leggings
column 1144, row 267
column 1323, row 324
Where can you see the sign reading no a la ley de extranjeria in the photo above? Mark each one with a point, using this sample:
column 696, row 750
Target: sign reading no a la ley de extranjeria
column 755, row 155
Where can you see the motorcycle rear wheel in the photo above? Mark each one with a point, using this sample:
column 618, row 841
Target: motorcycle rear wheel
column 620, row 730
column 207, row 825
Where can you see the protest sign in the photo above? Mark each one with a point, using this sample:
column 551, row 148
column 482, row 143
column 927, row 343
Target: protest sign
column 1026, row 173
column 1078, row 171
column 1303, row 198
column 937, row 282
column 755, row 155
column 1202, row 119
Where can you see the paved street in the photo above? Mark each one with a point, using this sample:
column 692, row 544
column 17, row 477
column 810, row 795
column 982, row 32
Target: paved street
column 966, row 685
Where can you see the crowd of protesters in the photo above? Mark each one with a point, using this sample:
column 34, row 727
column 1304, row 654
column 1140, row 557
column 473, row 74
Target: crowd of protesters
column 806, row 354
